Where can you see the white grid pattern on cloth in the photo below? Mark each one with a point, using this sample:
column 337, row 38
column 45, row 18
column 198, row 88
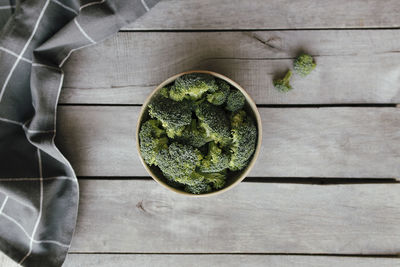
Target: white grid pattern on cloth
column 24, row 48
column 145, row 5
column 15, row 54
column 8, row 217
column 20, row 57
column 83, row 31
column 35, row 179
column 40, row 207
column 4, row 204
column 65, row 6
column 91, row 4
column 7, row 7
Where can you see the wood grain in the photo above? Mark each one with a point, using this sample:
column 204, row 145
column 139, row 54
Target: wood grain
column 104, row 260
column 6, row 261
column 261, row 14
column 297, row 142
column 152, row 260
column 353, row 66
column 139, row 216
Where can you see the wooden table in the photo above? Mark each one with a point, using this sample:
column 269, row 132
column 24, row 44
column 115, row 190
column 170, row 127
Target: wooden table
column 324, row 190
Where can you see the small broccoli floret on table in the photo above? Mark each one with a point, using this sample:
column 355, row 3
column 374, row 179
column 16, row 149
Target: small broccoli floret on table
column 303, row 65
column 235, row 101
column 152, row 138
column 215, row 122
column 192, row 86
column 244, row 138
column 216, row 160
column 194, row 135
column 173, row 115
column 219, row 97
column 178, row 160
column 283, row 84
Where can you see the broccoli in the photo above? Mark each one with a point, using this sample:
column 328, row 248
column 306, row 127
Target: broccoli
column 164, row 92
column 244, row 138
column 192, row 86
column 174, row 116
column 193, row 135
column 303, row 65
column 219, row 97
column 235, row 100
column 178, row 161
column 215, row 161
column 198, row 188
column 205, row 182
column 152, row 140
column 198, row 132
column 283, row 85
column 215, row 122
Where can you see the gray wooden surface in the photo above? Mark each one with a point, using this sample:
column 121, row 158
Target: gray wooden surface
column 353, row 66
column 342, row 142
column 270, row 14
column 139, row 216
column 157, row 260
column 283, row 216
column 224, row 261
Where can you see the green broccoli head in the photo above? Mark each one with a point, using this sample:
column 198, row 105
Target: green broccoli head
column 235, row 101
column 283, row 84
column 173, row 115
column 178, row 160
column 219, row 97
column 194, row 135
column 244, row 138
column 192, row 86
column 215, row 122
column 200, row 187
column 152, row 140
column 216, row 160
column 205, row 182
column 303, row 65
column 164, row 92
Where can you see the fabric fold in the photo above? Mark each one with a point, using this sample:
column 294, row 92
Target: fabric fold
column 39, row 192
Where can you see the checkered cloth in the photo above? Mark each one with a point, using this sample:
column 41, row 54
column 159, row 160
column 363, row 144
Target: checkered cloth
column 38, row 187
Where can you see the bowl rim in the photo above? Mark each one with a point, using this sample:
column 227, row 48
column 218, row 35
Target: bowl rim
column 250, row 102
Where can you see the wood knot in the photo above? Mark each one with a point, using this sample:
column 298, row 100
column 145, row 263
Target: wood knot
column 139, row 205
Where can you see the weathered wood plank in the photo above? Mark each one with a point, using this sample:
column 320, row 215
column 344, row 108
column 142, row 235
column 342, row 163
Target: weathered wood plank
column 147, row 260
column 137, row 216
column 353, row 66
column 6, row 261
column 104, row 260
column 261, row 14
column 297, row 142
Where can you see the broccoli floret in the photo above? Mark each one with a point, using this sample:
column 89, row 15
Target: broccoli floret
column 192, row 86
column 194, row 135
column 173, row 115
column 215, row 122
column 219, row 97
column 152, row 140
column 178, row 161
column 164, row 92
column 216, row 160
column 244, row 138
column 235, row 101
column 198, row 188
column 283, row 84
column 303, row 65
column 205, row 182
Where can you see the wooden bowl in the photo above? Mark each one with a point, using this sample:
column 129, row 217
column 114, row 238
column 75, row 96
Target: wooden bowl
column 232, row 180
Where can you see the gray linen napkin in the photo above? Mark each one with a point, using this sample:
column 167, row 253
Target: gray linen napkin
column 38, row 187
